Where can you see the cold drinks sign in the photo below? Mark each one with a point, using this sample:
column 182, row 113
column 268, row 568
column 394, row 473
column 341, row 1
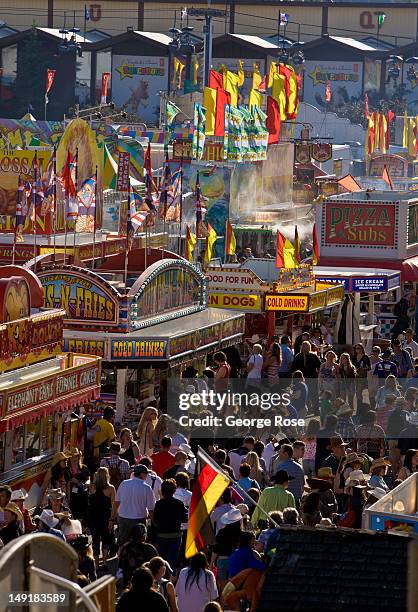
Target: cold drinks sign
column 360, row 224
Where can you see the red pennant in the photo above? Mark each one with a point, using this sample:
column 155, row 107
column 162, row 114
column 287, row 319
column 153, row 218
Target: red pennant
column 222, row 98
column 216, row 80
column 273, row 120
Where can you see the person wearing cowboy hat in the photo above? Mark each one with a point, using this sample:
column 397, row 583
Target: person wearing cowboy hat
column 11, row 526
column 276, row 497
column 356, row 478
column 322, row 484
column 345, row 426
column 86, row 565
column 378, row 470
column 47, row 523
column 58, row 475
column 229, row 529
column 18, row 497
column 61, row 511
column 353, row 461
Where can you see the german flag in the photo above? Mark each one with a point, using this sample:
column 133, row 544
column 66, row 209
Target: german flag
column 210, row 482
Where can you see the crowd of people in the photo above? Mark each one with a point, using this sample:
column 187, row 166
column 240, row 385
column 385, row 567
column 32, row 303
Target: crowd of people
column 128, row 503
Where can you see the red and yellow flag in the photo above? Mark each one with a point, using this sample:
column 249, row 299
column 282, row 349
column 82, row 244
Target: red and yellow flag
column 315, row 247
column 285, row 253
column 231, row 243
column 190, row 243
column 210, row 482
column 386, row 177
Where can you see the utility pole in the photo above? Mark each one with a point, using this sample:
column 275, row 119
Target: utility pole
column 208, row 15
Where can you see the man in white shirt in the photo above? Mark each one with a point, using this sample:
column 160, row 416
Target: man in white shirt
column 255, row 365
column 134, row 503
column 152, row 479
column 409, row 342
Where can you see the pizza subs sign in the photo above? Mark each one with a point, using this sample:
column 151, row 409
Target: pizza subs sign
column 360, row 224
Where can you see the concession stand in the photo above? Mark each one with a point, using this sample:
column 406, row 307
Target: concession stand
column 257, row 288
column 145, row 329
column 40, row 385
column 397, row 511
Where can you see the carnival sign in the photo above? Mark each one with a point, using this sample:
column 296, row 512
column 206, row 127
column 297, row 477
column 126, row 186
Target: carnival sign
column 138, row 350
column 122, row 181
column 302, row 153
column 291, row 303
column 86, row 347
column 235, row 301
column 84, row 296
column 231, row 278
column 321, row 152
column 360, row 224
column 14, row 299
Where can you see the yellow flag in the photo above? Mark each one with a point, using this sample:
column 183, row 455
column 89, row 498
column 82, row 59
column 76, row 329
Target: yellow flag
column 210, row 243
column 293, row 95
column 377, row 131
column 209, row 102
column 278, row 92
column 195, row 69
column 255, row 98
column 272, row 72
column 411, row 138
column 405, row 131
column 289, row 255
column 231, row 81
column 190, row 244
column 384, row 128
column 241, row 73
column 256, row 77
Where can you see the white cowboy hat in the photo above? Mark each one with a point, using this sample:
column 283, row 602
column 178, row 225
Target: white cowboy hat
column 233, row 516
column 18, row 494
column 254, row 339
column 47, row 517
column 356, row 476
column 71, row 529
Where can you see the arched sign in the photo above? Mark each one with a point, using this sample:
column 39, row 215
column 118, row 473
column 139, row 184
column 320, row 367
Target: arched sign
column 171, row 288
column 87, row 298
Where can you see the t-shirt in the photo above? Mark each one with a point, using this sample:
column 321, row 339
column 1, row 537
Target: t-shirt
column 136, row 499
column 287, row 358
column 197, row 594
column 411, row 345
column 105, row 433
column 162, row 461
column 169, row 514
column 384, row 368
column 148, row 601
column 257, row 360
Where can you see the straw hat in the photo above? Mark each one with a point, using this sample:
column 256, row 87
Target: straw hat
column 55, row 494
column 377, row 463
column 325, row 473
column 59, row 457
column 319, row 483
column 337, row 441
column 352, row 458
column 12, row 507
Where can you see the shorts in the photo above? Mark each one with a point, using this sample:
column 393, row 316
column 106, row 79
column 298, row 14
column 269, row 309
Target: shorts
column 222, row 565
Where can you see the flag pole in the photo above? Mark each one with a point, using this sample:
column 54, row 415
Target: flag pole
column 94, row 218
column 53, row 208
column 18, row 205
column 127, row 234
column 237, row 486
column 34, row 194
column 76, row 199
column 181, row 202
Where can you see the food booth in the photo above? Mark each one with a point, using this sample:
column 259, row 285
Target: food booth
column 146, row 330
column 397, row 511
column 273, row 300
column 40, row 385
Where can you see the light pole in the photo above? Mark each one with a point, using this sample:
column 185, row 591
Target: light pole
column 208, row 15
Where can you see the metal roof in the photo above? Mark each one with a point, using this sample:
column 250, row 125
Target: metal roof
column 78, row 38
column 255, row 40
column 157, row 37
column 352, row 42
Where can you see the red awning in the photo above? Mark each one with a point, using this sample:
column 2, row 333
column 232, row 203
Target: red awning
column 408, row 268
column 31, row 415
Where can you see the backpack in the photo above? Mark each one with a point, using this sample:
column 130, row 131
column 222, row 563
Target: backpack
column 115, row 474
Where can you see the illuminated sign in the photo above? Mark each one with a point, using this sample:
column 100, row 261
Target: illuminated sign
column 86, row 347
column 138, row 349
column 235, row 301
column 296, row 303
column 360, row 224
column 317, row 301
column 82, row 296
column 30, row 340
column 51, row 388
column 335, row 295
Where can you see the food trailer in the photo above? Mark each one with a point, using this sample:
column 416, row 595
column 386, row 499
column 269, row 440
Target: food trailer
column 397, row 511
column 40, row 385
